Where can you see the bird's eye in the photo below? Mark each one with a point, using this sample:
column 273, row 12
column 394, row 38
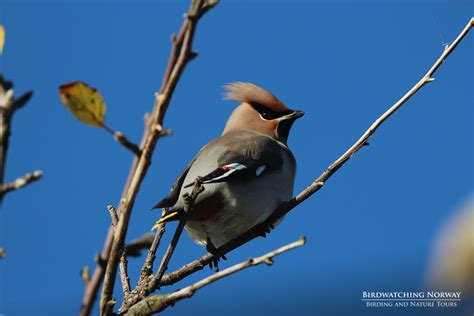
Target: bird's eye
column 266, row 115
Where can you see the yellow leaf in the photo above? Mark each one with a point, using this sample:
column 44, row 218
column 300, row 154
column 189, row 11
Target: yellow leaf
column 2, row 38
column 84, row 102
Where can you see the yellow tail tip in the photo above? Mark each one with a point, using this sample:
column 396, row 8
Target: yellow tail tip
column 157, row 224
column 163, row 220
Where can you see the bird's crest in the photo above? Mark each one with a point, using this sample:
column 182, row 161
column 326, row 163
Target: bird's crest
column 251, row 93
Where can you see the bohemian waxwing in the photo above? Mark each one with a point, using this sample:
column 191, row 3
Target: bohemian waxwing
column 246, row 173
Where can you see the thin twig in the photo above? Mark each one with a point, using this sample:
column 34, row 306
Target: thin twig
column 113, row 215
column 86, row 274
column 20, row 182
column 317, row 184
column 145, row 287
column 123, row 140
column 124, row 275
column 136, row 246
column 8, row 106
column 125, row 280
column 92, row 288
column 152, row 136
column 146, row 270
column 157, row 303
column 188, row 207
column 147, row 267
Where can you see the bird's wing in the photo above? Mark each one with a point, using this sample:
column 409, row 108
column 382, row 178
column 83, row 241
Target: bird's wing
column 250, row 160
column 173, row 195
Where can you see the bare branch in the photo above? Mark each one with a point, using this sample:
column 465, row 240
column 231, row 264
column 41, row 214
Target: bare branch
column 22, row 100
column 145, row 287
column 123, row 140
column 8, row 106
column 85, row 274
column 182, row 49
column 20, row 182
column 146, row 270
column 127, row 144
column 317, row 184
column 124, row 275
column 135, row 247
column 158, row 303
column 92, row 288
column 123, row 259
column 147, row 267
column 188, row 207
column 113, row 215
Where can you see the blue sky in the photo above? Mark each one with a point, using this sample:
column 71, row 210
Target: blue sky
column 372, row 226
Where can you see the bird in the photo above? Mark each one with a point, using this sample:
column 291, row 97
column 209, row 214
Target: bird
column 246, row 173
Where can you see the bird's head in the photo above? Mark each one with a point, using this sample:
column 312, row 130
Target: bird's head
column 259, row 112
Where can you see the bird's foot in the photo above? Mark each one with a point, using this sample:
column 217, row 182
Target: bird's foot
column 214, row 251
column 264, row 228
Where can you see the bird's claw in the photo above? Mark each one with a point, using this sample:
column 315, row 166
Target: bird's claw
column 264, row 228
column 214, row 251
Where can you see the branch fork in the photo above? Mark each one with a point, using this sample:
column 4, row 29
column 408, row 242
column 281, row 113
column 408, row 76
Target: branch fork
column 158, row 303
column 147, row 284
column 8, row 107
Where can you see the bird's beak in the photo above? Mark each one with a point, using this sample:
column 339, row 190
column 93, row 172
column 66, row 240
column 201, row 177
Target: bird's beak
column 294, row 115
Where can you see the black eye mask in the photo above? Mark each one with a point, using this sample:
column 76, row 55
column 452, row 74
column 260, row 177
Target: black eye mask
column 268, row 114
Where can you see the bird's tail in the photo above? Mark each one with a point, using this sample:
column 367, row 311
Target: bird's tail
column 168, row 215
